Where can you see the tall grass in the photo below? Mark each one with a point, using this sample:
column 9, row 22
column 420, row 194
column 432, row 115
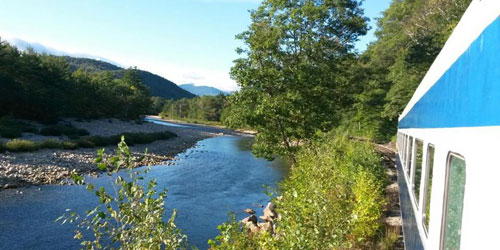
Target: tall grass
column 18, row 145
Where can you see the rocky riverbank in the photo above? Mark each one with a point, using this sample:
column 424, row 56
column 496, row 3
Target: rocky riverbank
column 268, row 218
column 53, row 166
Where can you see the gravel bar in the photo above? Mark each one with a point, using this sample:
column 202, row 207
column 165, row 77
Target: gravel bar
column 53, row 166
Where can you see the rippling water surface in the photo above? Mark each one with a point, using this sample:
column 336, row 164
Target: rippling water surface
column 215, row 177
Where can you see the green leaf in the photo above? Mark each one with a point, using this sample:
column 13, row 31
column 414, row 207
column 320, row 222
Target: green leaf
column 102, row 215
column 102, row 166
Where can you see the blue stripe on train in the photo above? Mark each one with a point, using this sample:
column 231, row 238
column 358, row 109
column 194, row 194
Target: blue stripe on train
column 468, row 94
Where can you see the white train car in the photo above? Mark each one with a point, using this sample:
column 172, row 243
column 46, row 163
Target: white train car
column 449, row 141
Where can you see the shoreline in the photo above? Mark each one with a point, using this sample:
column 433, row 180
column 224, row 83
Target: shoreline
column 53, row 166
column 180, row 122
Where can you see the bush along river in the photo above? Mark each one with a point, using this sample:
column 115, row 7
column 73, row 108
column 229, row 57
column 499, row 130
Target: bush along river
column 216, row 176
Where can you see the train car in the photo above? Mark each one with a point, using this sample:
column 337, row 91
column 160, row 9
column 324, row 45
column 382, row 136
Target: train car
column 449, row 138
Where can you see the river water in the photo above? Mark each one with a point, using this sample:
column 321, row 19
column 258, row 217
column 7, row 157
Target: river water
column 216, row 176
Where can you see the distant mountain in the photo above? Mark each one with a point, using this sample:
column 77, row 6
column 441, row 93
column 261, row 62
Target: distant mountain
column 202, row 90
column 158, row 85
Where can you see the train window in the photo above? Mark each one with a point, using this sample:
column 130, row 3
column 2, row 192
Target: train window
column 428, row 187
column 398, row 142
column 403, row 152
column 418, row 169
column 410, row 154
column 454, row 202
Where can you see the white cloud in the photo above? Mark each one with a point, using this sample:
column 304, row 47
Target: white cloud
column 40, row 48
column 193, row 76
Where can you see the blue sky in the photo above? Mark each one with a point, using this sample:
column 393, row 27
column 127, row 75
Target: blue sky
column 182, row 40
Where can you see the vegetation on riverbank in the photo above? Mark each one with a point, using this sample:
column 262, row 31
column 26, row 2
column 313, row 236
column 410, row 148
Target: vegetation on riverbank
column 131, row 217
column 332, row 199
column 205, row 109
column 194, row 121
column 23, row 145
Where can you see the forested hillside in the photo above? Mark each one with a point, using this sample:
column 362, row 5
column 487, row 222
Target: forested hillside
column 157, row 85
column 410, row 35
column 42, row 87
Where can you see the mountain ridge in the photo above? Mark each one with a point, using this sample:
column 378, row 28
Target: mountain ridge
column 159, row 86
column 202, row 90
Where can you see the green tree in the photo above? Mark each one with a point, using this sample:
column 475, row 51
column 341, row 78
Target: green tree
column 294, row 75
column 157, row 104
column 138, row 100
column 204, row 108
column 410, row 35
column 42, row 87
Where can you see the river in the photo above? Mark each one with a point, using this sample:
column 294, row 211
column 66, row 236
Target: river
column 211, row 179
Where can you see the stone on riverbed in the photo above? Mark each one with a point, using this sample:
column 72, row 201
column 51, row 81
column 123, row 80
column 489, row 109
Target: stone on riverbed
column 266, row 227
column 252, row 218
column 249, row 211
column 269, row 212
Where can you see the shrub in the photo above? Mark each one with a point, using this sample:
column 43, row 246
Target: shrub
column 75, row 131
column 85, row 143
column 332, row 199
column 69, row 145
column 11, row 128
column 10, row 133
column 133, row 217
column 51, row 131
column 73, row 137
column 100, row 141
column 51, row 143
column 58, row 130
column 2, row 147
column 30, row 129
column 18, row 145
column 89, row 141
column 132, row 138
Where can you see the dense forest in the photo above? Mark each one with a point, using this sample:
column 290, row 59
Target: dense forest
column 42, row 87
column 410, row 35
column 45, row 87
column 204, row 108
